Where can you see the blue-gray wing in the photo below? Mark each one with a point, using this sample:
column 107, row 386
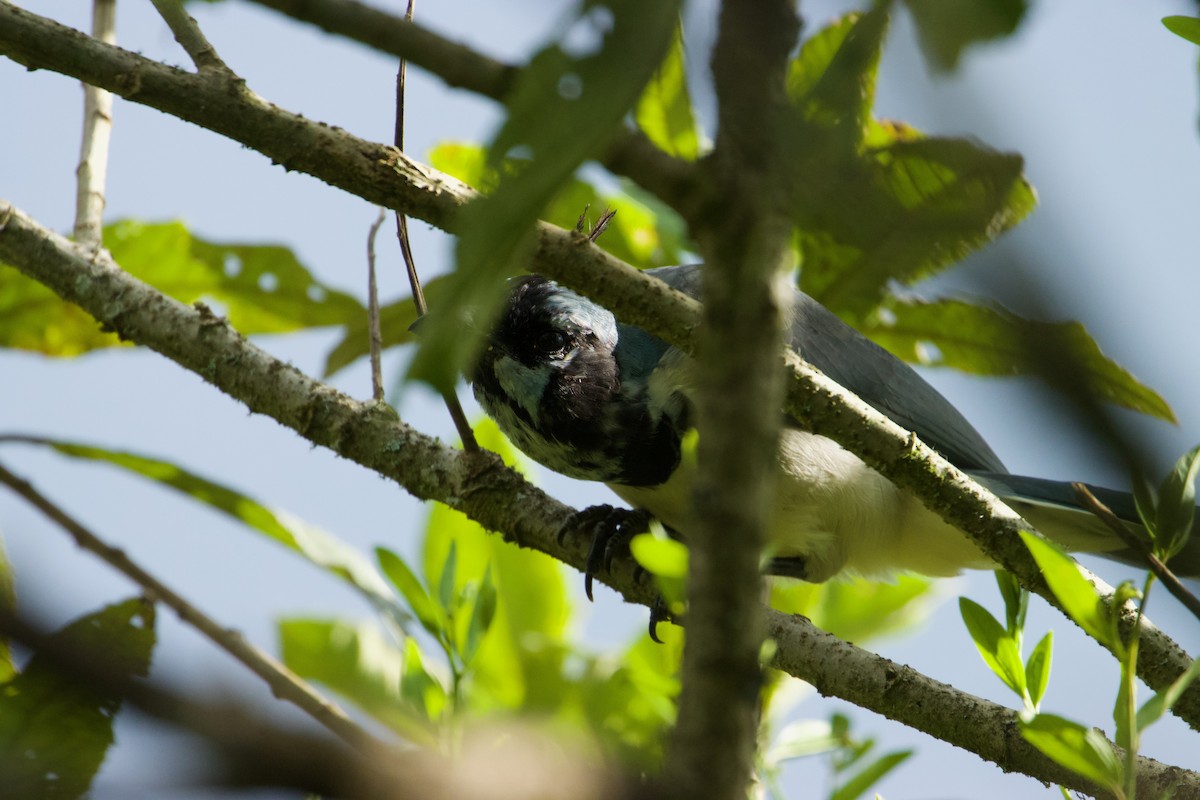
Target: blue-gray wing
column 882, row 381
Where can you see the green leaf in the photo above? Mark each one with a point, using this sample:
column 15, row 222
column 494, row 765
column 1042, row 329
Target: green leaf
column 418, row 687
column 988, row 340
column 1037, row 669
column 447, row 595
column 870, row 775
column 947, row 27
column 1078, row 597
column 1016, row 602
column 55, row 727
column 482, row 614
column 360, row 664
column 832, row 80
column 804, row 737
column 858, row 610
column 1177, row 505
column 664, row 111
column 315, row 545
column 562, row 111
column 1186, row 27
column 667, row 560
column 1145, row 499
column 902, row 212
column 8, row 604
column 430, row 615
column 999, row 650
column 260, row 288
column 1163, row 701
column 1079, row 749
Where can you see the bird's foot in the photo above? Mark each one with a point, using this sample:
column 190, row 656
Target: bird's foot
column 611, row 529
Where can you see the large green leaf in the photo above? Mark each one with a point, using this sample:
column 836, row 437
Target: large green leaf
column 988, row 340
column 260, row 288
column 55, row 728
column 1077, row 748
column 362, row 665
column 563, row 110
column 316, row 545
column 947, row 27
column 876, row 202
column 664, row 111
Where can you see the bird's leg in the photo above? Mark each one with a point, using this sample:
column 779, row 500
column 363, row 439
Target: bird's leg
column 611, row 529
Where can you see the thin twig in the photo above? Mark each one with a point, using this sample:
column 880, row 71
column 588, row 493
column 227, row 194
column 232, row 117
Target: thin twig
column 373, row 324
column 189, row 36
column 1160, row 570
column 284, row 683
column 414, row 280
column 92, row 171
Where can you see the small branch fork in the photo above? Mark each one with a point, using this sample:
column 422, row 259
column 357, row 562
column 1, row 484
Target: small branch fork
column 284, row 683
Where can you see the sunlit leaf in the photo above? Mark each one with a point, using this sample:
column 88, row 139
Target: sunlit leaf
column 1177, row 504
column 1185, row 27
column 259, row 288
column 314, row 544
column 1037, row 669
column 55, row 728
column 999, row 650
column 563, row 109
column 664, row 111
column 1078, row 597
column 1016, row 601
column 947, row 27
column 1163, row 701
column 359, row 663
column 431, row 616
column 667, row 560
column 482, row 613
column 856, row 609
column 988, row 340
column 1079, row 749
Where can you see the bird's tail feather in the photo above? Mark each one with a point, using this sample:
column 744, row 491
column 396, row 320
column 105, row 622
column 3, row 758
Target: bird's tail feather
column 1054, row 510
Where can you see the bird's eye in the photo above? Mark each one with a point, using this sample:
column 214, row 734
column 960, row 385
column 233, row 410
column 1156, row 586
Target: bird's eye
column 551, row 341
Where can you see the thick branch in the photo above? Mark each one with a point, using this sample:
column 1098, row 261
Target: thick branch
column 477, row 485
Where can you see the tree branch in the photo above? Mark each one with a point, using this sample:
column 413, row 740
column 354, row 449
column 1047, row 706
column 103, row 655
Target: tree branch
column 384, row 176
column 476, row 484
column 97, row 133
column 190, row 37
column 283, row 682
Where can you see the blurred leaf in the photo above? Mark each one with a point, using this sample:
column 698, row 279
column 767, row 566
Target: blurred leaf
column 1037, row 669
column 664, row 111
column 947, row 27
column 1078, row 597
column 445, row 583
column 1016, row 601
column 429, row 614
column 317, row 546
column 563, row 110
column 870, row 775
column 55, row 727
column 1079, row 749
column 360, row 664
column 418, row 687
column 520, row 662
column 832, row 79
column 667, row 560
column 987, row 340
column 260, row 288
column 999, row 650
column 903, row 212
column 805, row 737
column 1186, row 27
column 395, row 321
column 856, row 609
column 482, row 613
column 8, row 604
column 1177, row 504
column 1163, row 701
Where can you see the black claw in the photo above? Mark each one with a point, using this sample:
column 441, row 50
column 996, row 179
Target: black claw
column 790, row 567
column 610, row 529
column 658, row 613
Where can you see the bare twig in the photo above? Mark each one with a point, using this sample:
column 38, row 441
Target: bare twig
column 1117, row 526
column 189, row 36
column 461, row 424
column 92, row 172
column 284, row 683
column 373, row 323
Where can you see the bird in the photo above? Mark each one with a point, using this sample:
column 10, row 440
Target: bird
column 592, row 398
